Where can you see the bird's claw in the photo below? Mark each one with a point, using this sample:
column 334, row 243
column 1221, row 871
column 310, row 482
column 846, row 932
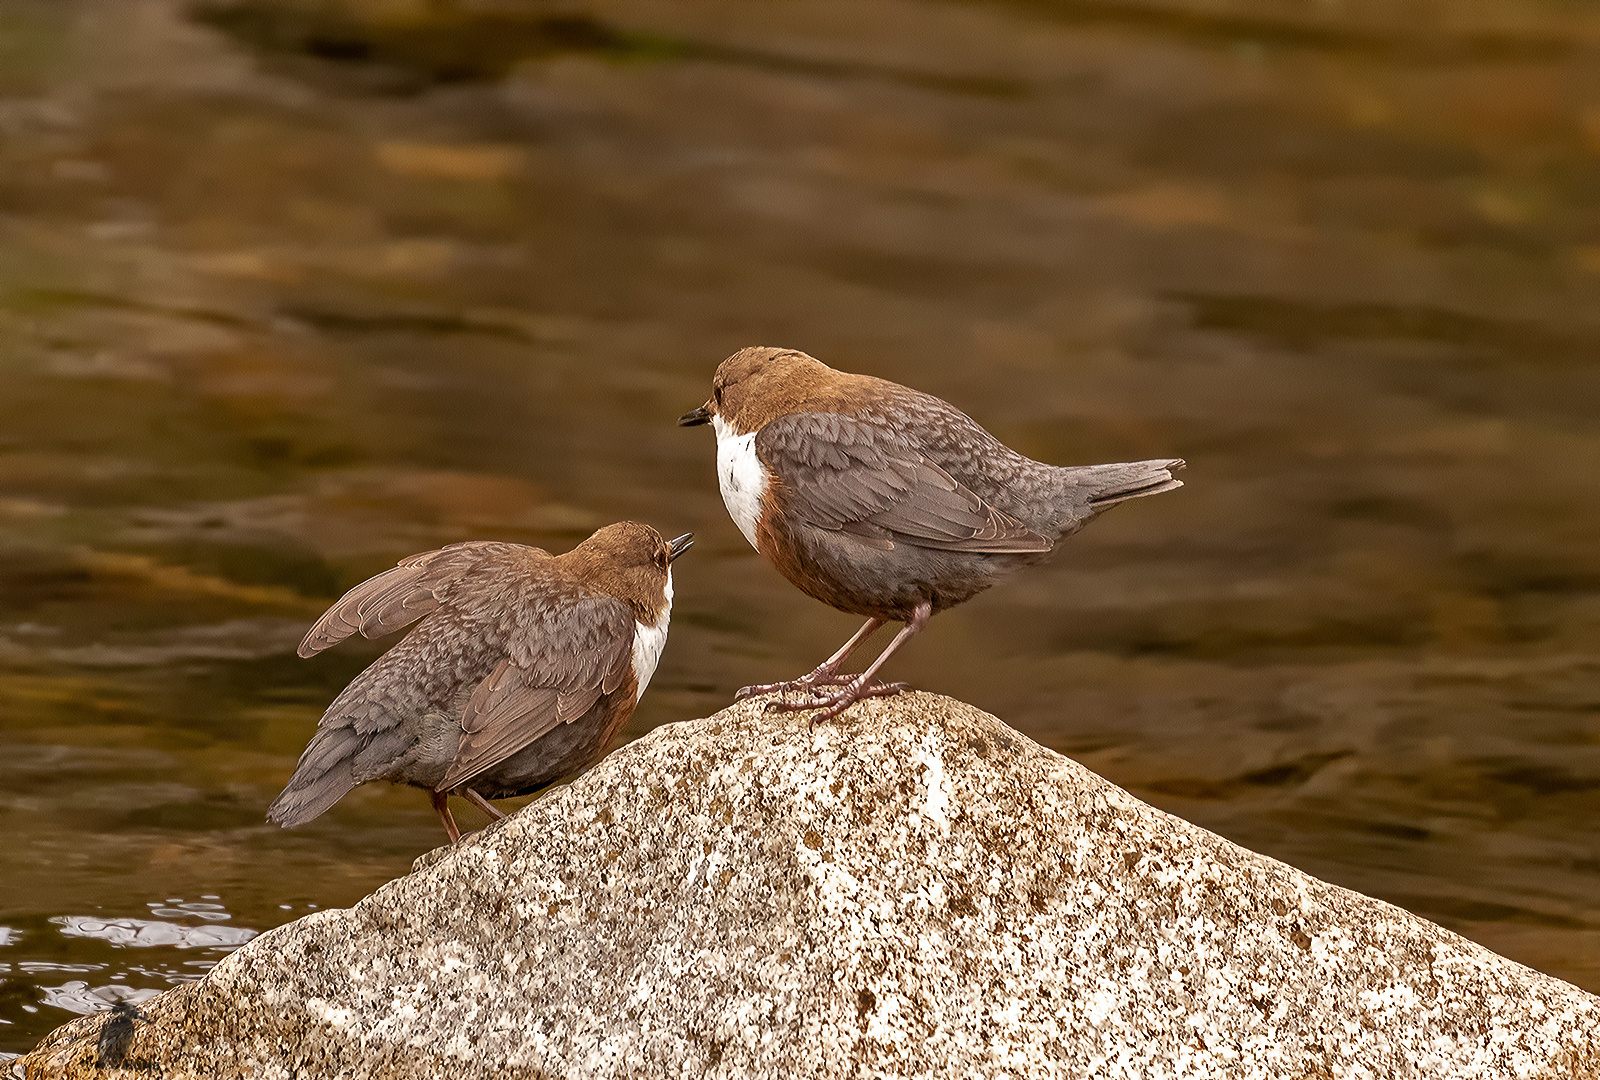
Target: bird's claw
column 830, row 705
column 804, row 682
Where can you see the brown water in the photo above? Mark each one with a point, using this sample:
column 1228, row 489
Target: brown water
column 289, row 292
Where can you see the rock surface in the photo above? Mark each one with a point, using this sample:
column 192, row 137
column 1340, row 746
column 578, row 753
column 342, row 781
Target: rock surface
column 912, row 890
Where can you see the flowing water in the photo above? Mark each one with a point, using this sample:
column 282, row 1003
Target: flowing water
column 288, row 291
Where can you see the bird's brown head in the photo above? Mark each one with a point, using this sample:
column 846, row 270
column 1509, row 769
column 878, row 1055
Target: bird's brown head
column 759, row 384
column 631, row 562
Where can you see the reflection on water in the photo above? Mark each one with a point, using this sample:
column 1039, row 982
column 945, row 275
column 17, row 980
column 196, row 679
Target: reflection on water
column 79, row 997
column 144, row 933
column 33, row 995
column 290, row 290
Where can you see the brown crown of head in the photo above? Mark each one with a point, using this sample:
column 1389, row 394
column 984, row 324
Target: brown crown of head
column 629, row 561
column 757, row 385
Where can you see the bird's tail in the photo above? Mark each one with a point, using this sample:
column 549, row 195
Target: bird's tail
column 1111, row 484
column 326, row 771
column 1089, row 489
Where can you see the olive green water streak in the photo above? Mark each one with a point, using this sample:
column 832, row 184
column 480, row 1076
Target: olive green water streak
column 288, row 291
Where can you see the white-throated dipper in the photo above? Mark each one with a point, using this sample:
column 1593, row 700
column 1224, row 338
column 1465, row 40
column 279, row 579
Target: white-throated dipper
column 523, row 669
column 884, row 501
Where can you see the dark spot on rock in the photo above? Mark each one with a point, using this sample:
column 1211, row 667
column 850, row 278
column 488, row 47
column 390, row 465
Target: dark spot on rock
column 865, row 1000
column 979, row 747
column 963, row 905
column 1300, row 938
column 1130, row 859
column 813, row 839
column 111, row 1047
column 1279, row 907
column 1038, row 900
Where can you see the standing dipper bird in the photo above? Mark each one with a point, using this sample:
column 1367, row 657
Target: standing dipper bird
column 884, row 501
column 524, row 667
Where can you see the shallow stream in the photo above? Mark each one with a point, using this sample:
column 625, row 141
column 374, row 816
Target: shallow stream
column 288, row 291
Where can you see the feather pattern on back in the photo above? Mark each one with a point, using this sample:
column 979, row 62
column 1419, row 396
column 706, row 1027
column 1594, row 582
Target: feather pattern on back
column 532, row 647
column 859, row 476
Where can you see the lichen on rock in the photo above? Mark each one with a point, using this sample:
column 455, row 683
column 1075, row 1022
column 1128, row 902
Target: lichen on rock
column 912, row 890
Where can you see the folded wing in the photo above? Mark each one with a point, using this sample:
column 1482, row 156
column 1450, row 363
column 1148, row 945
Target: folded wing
column 568, row 651
column 859, row 478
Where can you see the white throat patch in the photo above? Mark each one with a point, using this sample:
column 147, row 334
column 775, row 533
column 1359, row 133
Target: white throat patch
column 741, row 476
column 648, row 641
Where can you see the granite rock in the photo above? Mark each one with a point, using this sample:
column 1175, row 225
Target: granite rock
column 912, row 890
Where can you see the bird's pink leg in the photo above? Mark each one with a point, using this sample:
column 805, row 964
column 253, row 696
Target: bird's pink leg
column 441, row 806
column 825, row 673
column 483, row 804
column 863, row 685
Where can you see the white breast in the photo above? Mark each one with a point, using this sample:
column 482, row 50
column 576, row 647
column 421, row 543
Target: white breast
column 741, row 476
column 648, row 641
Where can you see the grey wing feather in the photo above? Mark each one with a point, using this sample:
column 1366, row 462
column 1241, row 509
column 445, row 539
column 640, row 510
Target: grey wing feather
column 857, row 477
column 393, row 599
column 583, row 650
column 326, row 771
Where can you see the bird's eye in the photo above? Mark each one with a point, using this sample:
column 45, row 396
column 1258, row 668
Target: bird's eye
column 716, row 394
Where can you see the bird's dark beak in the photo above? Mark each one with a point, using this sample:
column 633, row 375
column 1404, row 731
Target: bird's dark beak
column 679, row 546
column 702, row 415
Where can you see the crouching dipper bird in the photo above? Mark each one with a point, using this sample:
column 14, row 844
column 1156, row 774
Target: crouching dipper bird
column 886, row 502
column 523, row 669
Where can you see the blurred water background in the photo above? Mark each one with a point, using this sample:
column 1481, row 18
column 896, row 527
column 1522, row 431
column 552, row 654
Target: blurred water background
column 292, row 288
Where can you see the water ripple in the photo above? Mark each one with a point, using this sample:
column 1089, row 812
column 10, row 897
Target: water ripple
column 150, row 933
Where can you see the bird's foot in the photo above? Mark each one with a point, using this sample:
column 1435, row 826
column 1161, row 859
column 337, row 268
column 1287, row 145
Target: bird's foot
column 830, row 705
column 494, row 812
column 816, row 678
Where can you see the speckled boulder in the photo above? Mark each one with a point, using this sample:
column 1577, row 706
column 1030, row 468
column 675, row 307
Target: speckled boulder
column 913, row 890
